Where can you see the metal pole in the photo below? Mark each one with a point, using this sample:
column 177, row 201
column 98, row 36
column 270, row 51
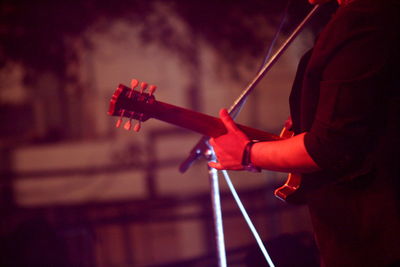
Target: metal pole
column 217, row 211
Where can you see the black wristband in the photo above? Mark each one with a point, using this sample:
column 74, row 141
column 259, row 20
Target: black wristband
column 246, row 158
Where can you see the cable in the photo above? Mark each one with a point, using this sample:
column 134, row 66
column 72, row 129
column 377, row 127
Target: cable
column 236, row 110
column 247, row 219
column 277, row 33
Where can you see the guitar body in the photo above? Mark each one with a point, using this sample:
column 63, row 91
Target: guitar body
column 134, row 105
column 293, row 181
column 286, row 191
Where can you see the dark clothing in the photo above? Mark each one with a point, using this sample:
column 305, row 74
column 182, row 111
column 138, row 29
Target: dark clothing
column 347, row 98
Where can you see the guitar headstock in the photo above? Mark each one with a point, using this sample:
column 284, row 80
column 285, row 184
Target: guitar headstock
column 134, row 105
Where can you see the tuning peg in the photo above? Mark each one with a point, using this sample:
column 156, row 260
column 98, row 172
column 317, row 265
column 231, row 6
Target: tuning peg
column 143, row 87
column 134, row 83
column 119, row 121
column 137, row 126
column 128, row 125
column 130, row 94
column 152, row 89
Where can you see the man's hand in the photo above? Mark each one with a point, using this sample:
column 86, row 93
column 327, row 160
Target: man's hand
column 230, row 146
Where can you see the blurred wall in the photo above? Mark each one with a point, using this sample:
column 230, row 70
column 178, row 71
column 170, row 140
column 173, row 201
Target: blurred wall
column 116, row 197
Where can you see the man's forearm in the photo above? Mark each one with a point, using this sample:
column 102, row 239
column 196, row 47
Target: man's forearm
column 289, row 155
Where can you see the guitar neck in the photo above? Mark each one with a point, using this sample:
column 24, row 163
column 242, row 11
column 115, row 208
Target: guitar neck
column 126, row 102
column 199, row 122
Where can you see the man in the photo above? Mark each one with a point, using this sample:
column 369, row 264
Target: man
column 345, row 111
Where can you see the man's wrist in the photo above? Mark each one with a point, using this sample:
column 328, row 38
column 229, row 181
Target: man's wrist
column 246, row 158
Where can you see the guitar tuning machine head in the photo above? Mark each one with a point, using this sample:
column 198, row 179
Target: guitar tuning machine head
column 152, row 89
column 137, row 126
column 134, row 83
column 119, row 121
column 143, row 87
column 128, row 125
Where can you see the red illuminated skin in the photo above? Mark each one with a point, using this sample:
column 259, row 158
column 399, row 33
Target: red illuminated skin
column 289, row 155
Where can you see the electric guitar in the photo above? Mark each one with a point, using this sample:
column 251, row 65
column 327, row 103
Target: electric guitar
column 140, row 106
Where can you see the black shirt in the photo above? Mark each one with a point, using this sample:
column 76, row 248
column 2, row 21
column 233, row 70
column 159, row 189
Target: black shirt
column 346, row 97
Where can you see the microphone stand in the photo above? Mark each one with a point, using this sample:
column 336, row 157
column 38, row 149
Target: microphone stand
column 202, row 148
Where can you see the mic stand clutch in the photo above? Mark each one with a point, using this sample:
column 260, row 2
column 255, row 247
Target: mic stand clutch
column 200, row 149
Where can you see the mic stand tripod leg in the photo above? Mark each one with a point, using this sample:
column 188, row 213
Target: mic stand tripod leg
column 217, row 214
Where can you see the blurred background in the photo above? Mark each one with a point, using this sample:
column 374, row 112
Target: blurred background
column 76, row 191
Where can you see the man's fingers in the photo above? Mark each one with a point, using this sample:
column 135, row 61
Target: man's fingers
column 220, row 167
column 227, row 120
column 215, row 165
column 212, row 142
column 289, row 123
